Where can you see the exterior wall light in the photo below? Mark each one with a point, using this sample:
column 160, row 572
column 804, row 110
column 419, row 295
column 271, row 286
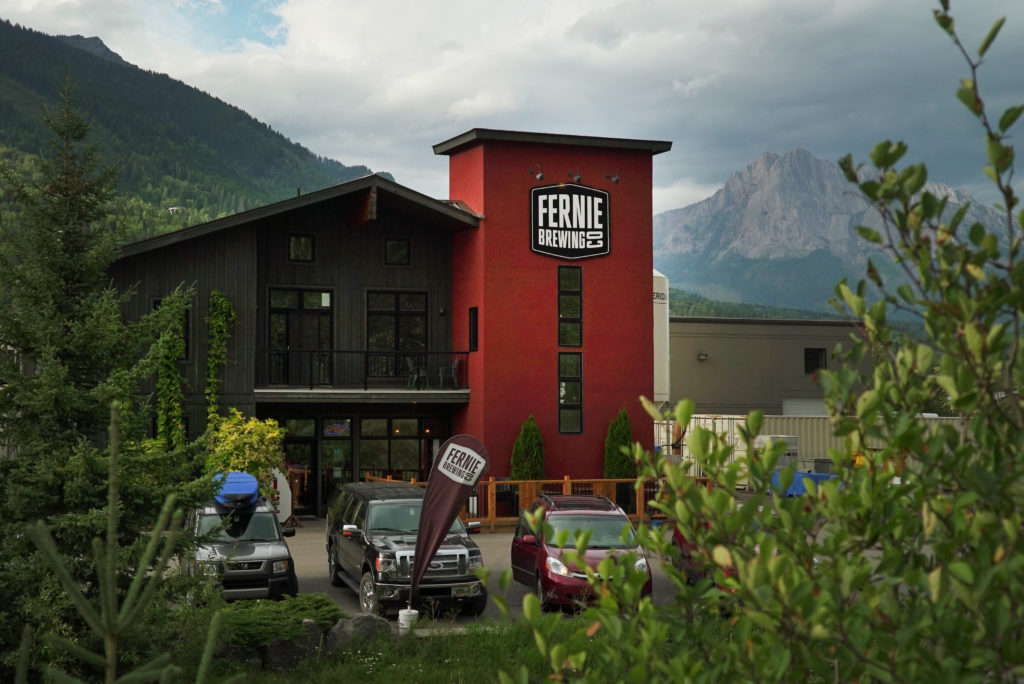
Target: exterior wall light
column 702, row 356
column 536, row 172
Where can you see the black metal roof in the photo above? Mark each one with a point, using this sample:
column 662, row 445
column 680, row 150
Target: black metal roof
column 475, row 135
column 448, row 212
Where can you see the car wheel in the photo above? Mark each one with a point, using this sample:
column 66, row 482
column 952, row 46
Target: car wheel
column 541, row 594
column 477, row 606
column 368, row 595
column 332, row 566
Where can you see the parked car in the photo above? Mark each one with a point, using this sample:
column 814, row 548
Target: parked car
column 371, row 541
column 537, row 561
column 244, row 546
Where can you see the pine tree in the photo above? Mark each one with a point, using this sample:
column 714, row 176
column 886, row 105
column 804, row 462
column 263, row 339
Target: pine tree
column 67, row 355
column 619, row 464
column 527, row 461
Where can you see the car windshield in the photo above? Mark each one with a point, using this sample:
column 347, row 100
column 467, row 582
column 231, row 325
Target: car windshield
column 606, row 530
column 402, row 517
column 236, row 526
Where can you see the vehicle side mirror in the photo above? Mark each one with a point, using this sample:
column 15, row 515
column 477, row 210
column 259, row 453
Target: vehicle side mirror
column 349, row 530
column 473, row 526
column 288, row 531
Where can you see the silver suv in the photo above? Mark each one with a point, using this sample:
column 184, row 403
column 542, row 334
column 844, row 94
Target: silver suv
column 244, row 548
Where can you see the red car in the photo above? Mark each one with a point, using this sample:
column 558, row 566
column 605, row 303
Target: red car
column 538, row 562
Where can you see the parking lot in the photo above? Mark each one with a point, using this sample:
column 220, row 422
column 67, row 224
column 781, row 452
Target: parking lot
column 307, row 547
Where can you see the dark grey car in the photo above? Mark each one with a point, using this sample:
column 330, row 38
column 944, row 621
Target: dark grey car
column 246, row 551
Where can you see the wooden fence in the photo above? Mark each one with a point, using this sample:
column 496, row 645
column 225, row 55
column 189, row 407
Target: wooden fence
column 496, row 503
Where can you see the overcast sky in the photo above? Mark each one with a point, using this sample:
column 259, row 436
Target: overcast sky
column 379, row 82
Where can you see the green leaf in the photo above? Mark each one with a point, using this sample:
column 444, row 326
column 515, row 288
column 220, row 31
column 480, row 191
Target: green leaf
column 1009, row 117
column 935, row 584
column 993, row 32
column 531, row 607
column 963, row 572
column 869, row 234
column 967, row 96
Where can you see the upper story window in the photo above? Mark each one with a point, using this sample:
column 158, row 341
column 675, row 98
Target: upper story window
column 570, row 306
column 301, row 248
column 397, row 252
column 815, row 359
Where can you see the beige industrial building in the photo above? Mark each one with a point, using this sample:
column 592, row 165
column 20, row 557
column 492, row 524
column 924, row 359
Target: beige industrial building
column 731, row 366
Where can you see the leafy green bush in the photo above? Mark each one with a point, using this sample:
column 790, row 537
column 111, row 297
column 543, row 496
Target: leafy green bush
column 905, row 567
column 527, row 462
column 251, row 624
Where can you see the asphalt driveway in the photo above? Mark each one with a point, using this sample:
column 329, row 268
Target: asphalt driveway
column 307, row 547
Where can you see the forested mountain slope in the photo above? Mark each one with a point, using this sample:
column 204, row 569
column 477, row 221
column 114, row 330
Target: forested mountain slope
column 184, row 156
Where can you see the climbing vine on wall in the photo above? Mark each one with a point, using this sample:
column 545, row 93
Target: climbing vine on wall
column 170, row 396
column 219, row 319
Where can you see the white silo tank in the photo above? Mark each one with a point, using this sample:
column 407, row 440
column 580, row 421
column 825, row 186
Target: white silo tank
column 661, row 354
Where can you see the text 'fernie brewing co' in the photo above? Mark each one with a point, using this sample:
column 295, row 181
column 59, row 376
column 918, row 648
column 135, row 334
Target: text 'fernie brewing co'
column 569, row 221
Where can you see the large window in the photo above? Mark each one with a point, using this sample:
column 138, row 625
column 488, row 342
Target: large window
column 396, row 325
column 570, row 392
column 300, row 336
column 392, row 446
column 570, row 306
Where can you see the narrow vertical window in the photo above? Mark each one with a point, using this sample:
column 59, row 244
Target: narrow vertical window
column 474, row 334
column 570, row 392
column 570, row 306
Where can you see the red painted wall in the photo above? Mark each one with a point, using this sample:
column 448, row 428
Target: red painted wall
column 515, row 372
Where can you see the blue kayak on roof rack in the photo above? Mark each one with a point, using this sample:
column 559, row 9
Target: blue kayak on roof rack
column 237, row 490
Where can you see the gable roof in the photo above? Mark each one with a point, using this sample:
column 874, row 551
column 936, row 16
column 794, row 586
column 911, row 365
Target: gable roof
column 451, row 214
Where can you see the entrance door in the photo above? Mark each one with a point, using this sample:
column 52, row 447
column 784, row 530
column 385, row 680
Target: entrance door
column 302, row 464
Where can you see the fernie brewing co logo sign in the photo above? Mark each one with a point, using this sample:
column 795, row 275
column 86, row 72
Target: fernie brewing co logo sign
column 569, row 221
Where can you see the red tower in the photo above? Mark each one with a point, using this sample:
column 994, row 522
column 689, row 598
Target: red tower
column 553, row 291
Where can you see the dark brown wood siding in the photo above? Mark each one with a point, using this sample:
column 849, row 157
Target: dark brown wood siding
column 245, row 261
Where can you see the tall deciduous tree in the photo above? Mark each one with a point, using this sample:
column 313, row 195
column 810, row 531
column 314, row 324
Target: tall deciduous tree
column 66, row 354
column 868, row 576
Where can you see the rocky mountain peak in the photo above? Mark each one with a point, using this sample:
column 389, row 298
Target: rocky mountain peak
column 784, row 220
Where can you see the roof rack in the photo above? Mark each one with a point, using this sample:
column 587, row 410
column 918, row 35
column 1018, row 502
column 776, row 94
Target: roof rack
column 564, row 502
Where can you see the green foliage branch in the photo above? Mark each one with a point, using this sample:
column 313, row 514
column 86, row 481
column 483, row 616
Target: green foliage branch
column 527, row 461
column 867, row 576
column 115, row 616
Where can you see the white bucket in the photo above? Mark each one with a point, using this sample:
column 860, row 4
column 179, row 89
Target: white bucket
column 407, row 618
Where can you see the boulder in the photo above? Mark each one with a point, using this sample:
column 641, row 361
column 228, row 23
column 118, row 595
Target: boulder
column 356, row 630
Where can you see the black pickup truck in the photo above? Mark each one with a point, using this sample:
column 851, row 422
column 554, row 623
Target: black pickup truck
column 371, row 539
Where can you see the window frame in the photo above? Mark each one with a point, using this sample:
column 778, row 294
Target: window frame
column 292, row 237
column 564, row 406
column 567, row 322
column 817, row 357
column 408, row 252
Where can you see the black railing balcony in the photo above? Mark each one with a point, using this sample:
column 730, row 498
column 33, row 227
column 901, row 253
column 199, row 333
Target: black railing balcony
column 361, row 369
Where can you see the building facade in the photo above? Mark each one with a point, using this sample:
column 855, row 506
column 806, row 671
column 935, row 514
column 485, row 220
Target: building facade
column 731, row 366
column 373, row 322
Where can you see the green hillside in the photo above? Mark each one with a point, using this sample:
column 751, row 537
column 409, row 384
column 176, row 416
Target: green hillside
column 183, row 156
column 683, row 303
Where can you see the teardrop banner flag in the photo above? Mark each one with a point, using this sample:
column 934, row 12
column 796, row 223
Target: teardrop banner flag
column 457, row 468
